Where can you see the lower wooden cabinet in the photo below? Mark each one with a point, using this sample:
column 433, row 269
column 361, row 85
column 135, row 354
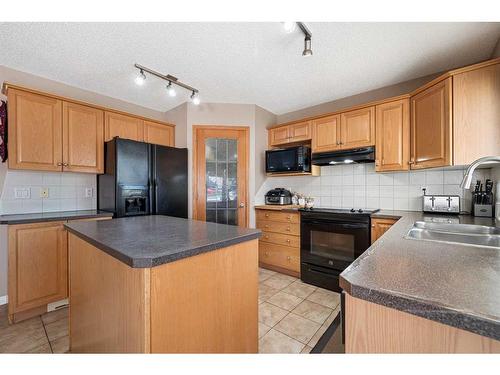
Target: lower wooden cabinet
column 279, row 246
column 38, row 267
column 380, row 226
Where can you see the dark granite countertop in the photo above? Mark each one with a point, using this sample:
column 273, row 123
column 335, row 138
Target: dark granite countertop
column 454, row 284
column 149, row 241
column 52, row 216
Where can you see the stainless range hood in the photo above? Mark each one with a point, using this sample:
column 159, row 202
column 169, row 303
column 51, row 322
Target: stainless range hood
column 358, row 155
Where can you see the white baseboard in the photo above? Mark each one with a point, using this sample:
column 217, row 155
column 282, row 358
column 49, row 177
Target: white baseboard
column 4, row 300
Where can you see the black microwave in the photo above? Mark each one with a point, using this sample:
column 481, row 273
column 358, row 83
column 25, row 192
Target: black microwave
column 293, row 159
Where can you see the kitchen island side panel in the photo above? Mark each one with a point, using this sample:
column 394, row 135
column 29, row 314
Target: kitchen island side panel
column 207, row 303
column 109, row 302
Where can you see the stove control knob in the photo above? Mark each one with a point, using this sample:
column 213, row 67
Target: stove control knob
column 353, row 210
column 360, row 210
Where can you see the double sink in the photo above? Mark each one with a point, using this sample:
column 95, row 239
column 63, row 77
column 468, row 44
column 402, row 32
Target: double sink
column 469, row 234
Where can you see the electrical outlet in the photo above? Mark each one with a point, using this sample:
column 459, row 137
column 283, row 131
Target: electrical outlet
column 88, row 192
column 22, row 193
column 44, row 192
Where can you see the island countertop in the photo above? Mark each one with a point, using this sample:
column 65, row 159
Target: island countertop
column 149, row 241
column 454, row 284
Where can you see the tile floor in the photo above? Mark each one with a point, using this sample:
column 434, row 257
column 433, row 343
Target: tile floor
column 292, row 315
column 292, row 318
column 43, row 334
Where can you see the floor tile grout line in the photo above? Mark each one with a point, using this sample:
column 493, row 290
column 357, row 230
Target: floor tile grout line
column 47, row 335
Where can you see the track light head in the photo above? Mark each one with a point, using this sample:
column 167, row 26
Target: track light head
column 171, row 90
column 289, row 26
column 141, row 78
column 307, row 47
column 195, row 98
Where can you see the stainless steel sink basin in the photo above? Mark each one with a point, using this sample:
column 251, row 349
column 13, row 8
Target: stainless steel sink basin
column 478, row 235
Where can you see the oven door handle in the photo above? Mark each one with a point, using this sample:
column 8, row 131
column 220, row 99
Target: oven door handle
column 316, row 270
column 346, row 226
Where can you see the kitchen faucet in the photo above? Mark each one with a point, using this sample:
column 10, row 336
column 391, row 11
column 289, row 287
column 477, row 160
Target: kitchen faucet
column 468, row 179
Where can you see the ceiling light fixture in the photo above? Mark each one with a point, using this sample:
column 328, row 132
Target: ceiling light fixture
column 195, row 98
column 141, row 78
column 170, row 79
column 289, row 26
column 307, row 39
column 171, row 90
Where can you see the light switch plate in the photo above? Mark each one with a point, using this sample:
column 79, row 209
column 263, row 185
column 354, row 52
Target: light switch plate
column 88, row 192
column 44, row 192
column 22, row 193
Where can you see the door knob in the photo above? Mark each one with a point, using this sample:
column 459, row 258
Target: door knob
column 242, row 205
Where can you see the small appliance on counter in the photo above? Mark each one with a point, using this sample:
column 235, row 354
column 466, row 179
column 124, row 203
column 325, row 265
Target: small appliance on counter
column 279, row 196
column 444, row 204
column 482, row 200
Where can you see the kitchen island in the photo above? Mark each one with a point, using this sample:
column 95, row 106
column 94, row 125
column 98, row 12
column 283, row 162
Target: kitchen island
column 408, row 296
column 159, row 284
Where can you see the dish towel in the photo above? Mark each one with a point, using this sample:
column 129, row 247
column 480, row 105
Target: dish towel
column 3, row 130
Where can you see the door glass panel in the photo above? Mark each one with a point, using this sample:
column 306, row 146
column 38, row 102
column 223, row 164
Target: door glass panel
column 221, row 180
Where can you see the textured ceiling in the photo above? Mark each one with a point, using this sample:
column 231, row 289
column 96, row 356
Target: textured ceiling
column 241, row 62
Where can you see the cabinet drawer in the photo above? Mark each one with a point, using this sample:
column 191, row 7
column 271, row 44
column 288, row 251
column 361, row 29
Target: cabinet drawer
column 281, row 239
column 279, row 256
column 276, row 227
column 284, row 217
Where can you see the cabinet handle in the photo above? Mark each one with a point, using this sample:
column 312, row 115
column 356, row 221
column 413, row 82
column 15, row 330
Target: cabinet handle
column 266, row 237
column 59, row 164
column 288, row 241
column 373, row 225
column 288, row 229
column 266, row 254
column 377, row 163
column 338, row 143
column 266, row 215
column 289, row 257
column 65, row 165
column 266, row 226
column 289, row 217
column 411, row 162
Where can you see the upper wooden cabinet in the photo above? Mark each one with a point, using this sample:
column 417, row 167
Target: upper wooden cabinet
column 357, row 128
column 35, row 131
column 83, row 138
column 278, row 136
column 431, row 122
column 299, row 132
column 326, row 134
column 38, row 265
column 392, row 146
column 476, row 114
column 159, row 134
column 123, row 126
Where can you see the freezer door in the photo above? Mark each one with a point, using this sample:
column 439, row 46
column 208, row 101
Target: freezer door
column 170, row 181
column 132, row 159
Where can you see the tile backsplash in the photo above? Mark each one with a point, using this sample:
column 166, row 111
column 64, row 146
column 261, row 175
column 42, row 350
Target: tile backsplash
column 66, row 192
column 357, row 185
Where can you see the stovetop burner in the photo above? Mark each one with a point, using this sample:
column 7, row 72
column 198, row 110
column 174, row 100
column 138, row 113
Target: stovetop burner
column 355, row 211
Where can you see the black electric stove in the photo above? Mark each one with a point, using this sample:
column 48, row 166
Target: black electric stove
column 330, row 240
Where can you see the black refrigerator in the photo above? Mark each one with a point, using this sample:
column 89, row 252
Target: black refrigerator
column 143, row 179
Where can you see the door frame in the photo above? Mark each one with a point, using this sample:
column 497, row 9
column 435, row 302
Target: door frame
column 196, row 191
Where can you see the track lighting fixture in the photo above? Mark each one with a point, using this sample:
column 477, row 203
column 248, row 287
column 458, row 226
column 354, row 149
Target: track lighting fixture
column 289, row 26
column 195, row 97
column 141, row 78
column 171, row 90
column 307, row 47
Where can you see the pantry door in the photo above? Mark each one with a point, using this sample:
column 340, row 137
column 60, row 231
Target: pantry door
column 220, row 174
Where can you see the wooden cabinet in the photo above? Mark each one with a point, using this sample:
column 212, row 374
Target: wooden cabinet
column 159, row 134
column 38, row 265
column 83, row 138
column 299, row 132
column 431, row 122
column 357, row 128
column 35, row 131
column 476, row 114
column 392, row 136
column 279, row 246
column 379, row 227
column 123, row 126
column 278, row 136
column 326, row 134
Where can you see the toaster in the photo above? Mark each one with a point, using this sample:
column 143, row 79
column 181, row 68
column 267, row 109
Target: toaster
column 279, row 196
column 449, row 204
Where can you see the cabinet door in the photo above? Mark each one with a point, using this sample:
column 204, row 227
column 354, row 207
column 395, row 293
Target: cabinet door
column 392, row 136
column 431, row 142
column 326, row 134
column 128, row 127
column 159, row 134
column 278, row 136
column 299, row 132
column 35, row 131
column 38, row 265
column 357, row 128
column 83, row 138
column 379, row 227
column 476, row 114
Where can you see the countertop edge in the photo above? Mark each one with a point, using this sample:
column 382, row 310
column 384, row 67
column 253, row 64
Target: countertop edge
column 158, row 261
column 55, row 218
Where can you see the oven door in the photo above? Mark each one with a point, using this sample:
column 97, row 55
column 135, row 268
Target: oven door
column 333, row 244
column 285, row 160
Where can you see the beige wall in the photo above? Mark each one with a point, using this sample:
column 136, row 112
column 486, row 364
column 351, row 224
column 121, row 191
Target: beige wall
column 178, row 116
column 263, row 119
column 496, row 51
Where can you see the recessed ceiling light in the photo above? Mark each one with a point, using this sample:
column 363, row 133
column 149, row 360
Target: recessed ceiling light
column 141, row 78
column 289, row 26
